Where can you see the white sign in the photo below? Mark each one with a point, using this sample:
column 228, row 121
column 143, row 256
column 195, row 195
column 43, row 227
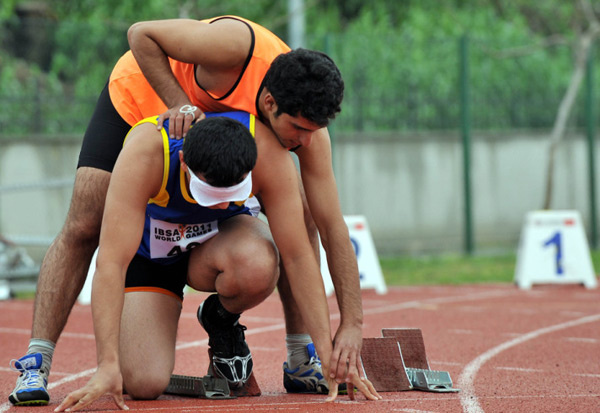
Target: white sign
column 553, row 250
column 368, row 263
column 85, row 296
column 4, row 290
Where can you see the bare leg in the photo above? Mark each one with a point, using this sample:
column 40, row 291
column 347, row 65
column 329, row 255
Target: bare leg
column 147, row 342
column 67, row 260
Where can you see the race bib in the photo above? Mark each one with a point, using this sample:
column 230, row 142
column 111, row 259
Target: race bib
column 169, row 240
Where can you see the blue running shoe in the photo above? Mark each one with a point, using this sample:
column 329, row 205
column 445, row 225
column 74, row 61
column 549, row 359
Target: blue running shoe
column 306, row 378
column 31, row 389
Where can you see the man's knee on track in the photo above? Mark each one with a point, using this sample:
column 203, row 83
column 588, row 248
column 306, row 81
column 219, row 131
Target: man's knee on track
column 146, row 386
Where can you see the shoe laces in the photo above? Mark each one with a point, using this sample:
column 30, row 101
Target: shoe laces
column 314, row 360
column 31, row 378
column 232, row 339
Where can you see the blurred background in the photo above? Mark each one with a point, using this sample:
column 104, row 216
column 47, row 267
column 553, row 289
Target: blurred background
column 459, row 116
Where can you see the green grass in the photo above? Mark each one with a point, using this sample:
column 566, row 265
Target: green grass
column 454, row 269
column 444, row 269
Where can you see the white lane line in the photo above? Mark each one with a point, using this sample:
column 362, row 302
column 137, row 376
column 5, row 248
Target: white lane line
column 468, row 398
column 520, row 369
column 249, row 332
column 54, row 373
column 445, row 363
column 438, row 300
column 5, row 330
column 582, row 340
column 572, row 313
column 280, row 326
column 245, row 318
column 71, row 378
column 269, row 349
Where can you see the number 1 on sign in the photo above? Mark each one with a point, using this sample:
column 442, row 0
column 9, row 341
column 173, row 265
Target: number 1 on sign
column 556, row 241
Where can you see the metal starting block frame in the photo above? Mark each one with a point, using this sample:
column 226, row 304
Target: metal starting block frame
column 430, row 380
column 398, row 362
column 211, row 386
column 207, row 387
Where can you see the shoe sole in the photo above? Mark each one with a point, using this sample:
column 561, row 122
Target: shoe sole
column 42, row 399
column 31, row 403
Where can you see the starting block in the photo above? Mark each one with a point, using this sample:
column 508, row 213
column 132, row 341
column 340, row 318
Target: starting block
column 398, row 362
column 211, row 386
column 382, row 363
column 207, row 387
column 431, row 380
column 411, row 344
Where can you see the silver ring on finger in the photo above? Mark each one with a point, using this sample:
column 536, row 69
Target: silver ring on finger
column 188, row 110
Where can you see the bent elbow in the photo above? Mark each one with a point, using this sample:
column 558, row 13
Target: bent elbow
column 134, row 32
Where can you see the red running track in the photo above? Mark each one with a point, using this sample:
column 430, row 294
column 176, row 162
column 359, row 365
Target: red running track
column 508, row 350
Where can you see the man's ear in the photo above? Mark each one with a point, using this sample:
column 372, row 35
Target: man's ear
column 182, row 162
column 270, row 103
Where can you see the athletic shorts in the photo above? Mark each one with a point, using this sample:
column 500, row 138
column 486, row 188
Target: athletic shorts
column 145, row 275
column 104, row 135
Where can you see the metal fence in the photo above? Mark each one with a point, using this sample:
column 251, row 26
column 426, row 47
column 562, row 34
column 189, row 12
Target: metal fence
column 393, row 83
column 520, row 92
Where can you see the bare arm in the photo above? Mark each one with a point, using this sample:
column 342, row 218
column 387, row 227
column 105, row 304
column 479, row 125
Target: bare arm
column 321, row 192
column 276, row 181
column 219, row 48
column 136, row 177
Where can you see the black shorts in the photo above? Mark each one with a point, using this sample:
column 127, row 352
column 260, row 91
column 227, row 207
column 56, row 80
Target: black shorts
column 145, row 275
column 104, row 135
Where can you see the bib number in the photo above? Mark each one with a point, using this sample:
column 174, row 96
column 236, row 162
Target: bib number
column 169, row 240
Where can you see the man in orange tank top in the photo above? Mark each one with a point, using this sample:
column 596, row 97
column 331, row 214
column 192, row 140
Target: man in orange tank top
column 178, row 69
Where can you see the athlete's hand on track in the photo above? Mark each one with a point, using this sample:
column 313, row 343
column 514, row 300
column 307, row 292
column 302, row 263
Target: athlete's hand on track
column 333, row 390
column 104, row 381
column 181, row 119
column 352, row 381
column 345, row 364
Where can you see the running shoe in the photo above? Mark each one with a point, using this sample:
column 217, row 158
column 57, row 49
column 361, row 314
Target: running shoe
column 306, row 378
column 31, row 389
column 231, row 357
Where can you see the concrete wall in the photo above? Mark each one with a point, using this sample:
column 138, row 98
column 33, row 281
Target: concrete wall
column 33, row 216
column 409, row 186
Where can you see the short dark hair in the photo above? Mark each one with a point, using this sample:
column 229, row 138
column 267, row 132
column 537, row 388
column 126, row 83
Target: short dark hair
column 221, row 149
column 307, row 83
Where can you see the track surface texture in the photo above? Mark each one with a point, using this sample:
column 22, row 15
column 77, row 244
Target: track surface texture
column 508, row 350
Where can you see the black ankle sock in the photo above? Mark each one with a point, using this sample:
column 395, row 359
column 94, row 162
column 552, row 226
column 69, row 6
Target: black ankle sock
column 217, row 315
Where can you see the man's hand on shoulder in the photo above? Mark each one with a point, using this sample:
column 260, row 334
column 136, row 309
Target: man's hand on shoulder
column 181, row 118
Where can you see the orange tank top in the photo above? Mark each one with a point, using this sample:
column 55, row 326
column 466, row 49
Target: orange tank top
column 134, row 98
